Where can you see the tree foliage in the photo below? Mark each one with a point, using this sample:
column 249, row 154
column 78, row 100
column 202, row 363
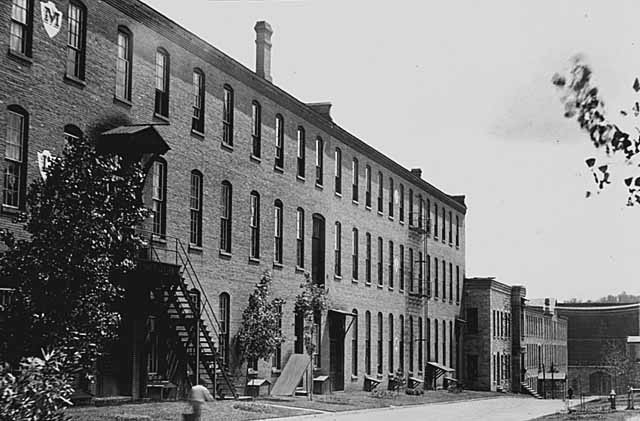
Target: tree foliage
column 39, row 391
column 310, row 302
column 261, row 333
column 582, row 101
column 618, row 362
column 81, row 242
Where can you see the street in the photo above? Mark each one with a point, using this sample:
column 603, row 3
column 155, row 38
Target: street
column 503, row 408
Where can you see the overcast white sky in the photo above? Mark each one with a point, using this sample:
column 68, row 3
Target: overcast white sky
column 462, row 89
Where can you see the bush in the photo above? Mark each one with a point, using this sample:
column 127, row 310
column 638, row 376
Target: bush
column 39, row 391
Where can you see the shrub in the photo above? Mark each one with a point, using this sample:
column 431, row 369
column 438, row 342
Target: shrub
column 39, row 391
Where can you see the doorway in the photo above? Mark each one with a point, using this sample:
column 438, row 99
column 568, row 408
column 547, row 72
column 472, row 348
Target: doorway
column 336, row 350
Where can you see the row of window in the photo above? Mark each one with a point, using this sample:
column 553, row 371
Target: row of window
column 547, row 355
column 21, row 34
column 546, row 328
column 407, row 341
column 501, row 367
column 501, row 324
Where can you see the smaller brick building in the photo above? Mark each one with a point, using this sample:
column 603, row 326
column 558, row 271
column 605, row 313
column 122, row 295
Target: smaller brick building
column 511, row 345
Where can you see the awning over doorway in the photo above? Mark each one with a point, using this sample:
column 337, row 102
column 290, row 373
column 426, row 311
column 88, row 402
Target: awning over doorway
column 555, row 376
column 132, row 139
column 339, row 311
column 439, row 366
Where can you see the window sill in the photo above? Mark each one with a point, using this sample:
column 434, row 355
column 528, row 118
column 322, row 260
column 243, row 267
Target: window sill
column 72, row 80
column 161, row 117
column 255, row 159
column 198, row 134
column 401, row 222
column 380, row 213
column 23, row 59
column 225, row 254
column 194, row 248
column 278, row 265
column 278, row 169
column 338, row 194
column 380, row 286
column 391, row 288
column 299, row 269
column 300, row 178
column 12, row 210
column 368, row 283
column 226, row 146
column 337, row 277
column 379, row 376
column 368, row 207
column 354, row 281
column 457, row 247
column 319, row 186
column 450, row 244
column 354, row 378
column 401, row 291
column 254, row 261
column 275, row 371
column 122, row 101
column 355, row 202
column 156, row 238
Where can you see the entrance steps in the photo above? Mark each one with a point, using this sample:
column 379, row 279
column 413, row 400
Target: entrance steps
column 530, row 391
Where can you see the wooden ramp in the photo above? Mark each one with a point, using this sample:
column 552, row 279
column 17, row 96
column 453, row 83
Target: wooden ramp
column 291, row 375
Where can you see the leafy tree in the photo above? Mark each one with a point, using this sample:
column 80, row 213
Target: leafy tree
column 81, row 243
column 261, row 333
column 310, row 304
column 619, row 365
column 582, row 101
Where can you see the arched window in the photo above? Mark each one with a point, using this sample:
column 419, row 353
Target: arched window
column 301, row 161
column 15, row 156
column 71, row 132
column 367, row 342
column 197, row 121
column 256, row 129
column 390, row 345
column 367, row 192
column 380, row 266
column 354, row 254
column 338, row 175
column 195, row 205
column 124, row 63
column 367, row 260
column 300, row 237
column 162, row 82
column 354, row 343
column 355, row 189
column 401, row 209
column 338, row 249
column 391, row 198
column 21, row 27
column 411, row 342
column 401, row 344
column 76, row 39
column 224, row 319
column 277, row 235
column 390, row 265
column 401, row 269
column 319, row 161
column 227, row 116
column 420, row 344
column 380, row 191
column 254, row 224
column 279, row 160
column 380, row 343
column 225, row 217
column 158, row 197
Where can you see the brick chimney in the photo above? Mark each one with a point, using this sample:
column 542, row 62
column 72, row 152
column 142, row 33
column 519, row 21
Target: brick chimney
column 417, row 172
column 263, row 49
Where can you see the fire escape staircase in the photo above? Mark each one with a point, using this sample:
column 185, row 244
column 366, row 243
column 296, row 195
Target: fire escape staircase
column 182, row 295
column 530, row 391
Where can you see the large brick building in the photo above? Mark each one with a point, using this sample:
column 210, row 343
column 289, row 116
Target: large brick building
column 254, row 180
column 596, row 329
column 510, row 343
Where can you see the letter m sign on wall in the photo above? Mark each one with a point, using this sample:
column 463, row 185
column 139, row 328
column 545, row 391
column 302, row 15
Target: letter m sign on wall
column 51, row 18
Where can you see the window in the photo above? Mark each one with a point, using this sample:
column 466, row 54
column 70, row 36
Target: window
column 390, row 264
column 225, row 218
column 411, row 341
column 444, row 279
column 338, row 175
column 380, row 191
column 367, row 342
column 401, row 267
column 71, row 133
column 379, row 342
column 300, row 238
column 256, row 129
column 380, row 272
column 354, row 255
column 435, row 226
column 279, row 160
column 450, row 228
column 338, row 249
column 428, row 339
column 277, row 234
column 435, row 340
column 21, row 27
column 301, row 162
column 227, row 116
column 444, row 342
column 197, row 121
column 452, row 361
column 319, row 161
column 76, row 40
column 15, row 156
column 428, row 276
column 444, row 221
column 355, row 180
column 254, row 225
column 420, row 212
column 153, row 357
column 390, row 345
column 277, row 355
column 472, row 320
column 195, row 205
column 354, row 343
column 317, row 340
column 367, row 193
column 391, row 192
column 428, row 215
column 410, row 207
column 224, row 318
column 123, row 65
column 401, row 345
column 457, row 231
column 420, row 344
column 367, row 260
column 401, row 210
column 411, row 270
column 420, row 273
column 436, row 280
column 450, row 281
column 162, row 83
column 159, row 205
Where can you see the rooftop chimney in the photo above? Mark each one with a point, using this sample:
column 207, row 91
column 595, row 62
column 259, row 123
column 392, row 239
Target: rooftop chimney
column 263, row 49
column 323, row 108
column 417, row 172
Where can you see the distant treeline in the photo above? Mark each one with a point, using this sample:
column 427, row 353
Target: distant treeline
column 623, row 297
